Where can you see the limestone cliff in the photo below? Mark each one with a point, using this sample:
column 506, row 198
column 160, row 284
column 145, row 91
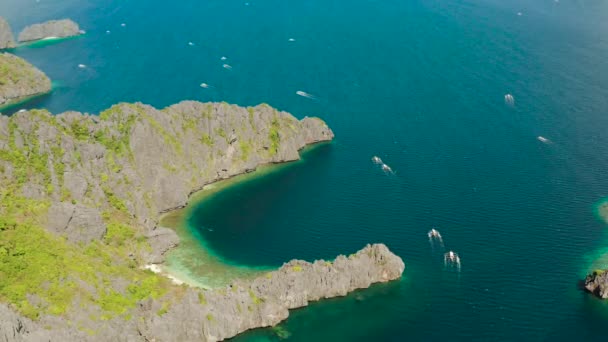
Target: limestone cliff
column 265, row 301
column 19, row 79
column 50, row 29
column 7, row 40
column 140, row 161
column 80, row 197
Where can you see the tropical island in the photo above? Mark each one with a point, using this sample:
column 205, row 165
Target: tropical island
column 63, row 28
column 52, row 29
column 80, row 200
column 20, row 80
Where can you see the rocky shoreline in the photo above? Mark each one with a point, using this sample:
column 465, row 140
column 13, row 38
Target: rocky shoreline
column 85, row 183
column 266, row 300
column 51, row 29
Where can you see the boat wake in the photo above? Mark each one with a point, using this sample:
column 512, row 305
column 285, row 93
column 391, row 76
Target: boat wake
column 306, row 95
column 452, row 260
column 435, row 240
column 543, row 140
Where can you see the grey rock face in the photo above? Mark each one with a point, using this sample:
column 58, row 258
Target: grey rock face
column 76, row 222
column 597, row 283
column 161, row 240
column 19, row 79
column 7, row 40
column 50, row 29
column 12, row 326
column 265, row 301
column 144, row 161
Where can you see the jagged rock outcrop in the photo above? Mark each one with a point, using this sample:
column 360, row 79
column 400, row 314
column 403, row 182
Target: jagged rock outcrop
column 19, row 79
column 266, row 300
column 7, row 40
column 50, row 29
column 597, row 283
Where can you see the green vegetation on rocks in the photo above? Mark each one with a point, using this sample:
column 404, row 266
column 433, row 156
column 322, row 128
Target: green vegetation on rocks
column 40, row 272
column 19, row 79
column 80, row 197
column 274, row 136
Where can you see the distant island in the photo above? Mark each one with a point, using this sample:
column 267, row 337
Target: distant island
column 63, row 28
column 20, row 80
column 80, row 200
column 51, row 29
column 7, row 41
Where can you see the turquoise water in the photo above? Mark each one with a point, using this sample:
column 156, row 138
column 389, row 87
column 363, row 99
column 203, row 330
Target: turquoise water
column 419, row 83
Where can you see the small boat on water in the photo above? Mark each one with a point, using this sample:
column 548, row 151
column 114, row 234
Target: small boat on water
column 387, row 168
column 543, row 139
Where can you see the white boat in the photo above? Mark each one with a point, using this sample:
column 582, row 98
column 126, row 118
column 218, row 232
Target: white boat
column 543, row 139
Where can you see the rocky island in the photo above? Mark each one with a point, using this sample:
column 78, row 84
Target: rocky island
column 597, row 283
column 20, row 80
column 80, row 197
column 7, row 40
column 51, row 29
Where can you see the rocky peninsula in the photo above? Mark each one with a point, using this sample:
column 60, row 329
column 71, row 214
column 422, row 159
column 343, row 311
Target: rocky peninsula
column 20, row 80
column 51, row 29
column 7, row 41
column 80, row 197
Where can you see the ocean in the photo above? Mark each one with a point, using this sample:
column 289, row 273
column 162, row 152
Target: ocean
column 420, row 84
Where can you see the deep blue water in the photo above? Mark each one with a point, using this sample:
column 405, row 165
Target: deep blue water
column 419, row 83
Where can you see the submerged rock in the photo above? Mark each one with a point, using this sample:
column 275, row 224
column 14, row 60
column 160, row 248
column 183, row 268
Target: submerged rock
column 7, row 40
column 50, row 29
column 19, row 79
column 597, row 283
